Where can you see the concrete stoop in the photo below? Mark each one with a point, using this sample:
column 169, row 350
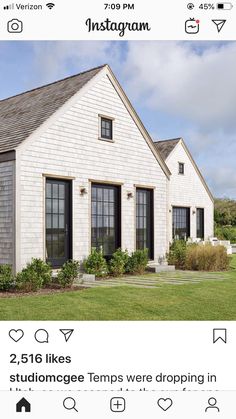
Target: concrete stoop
column 157, row 268
column 164, row 268
column 84, row 278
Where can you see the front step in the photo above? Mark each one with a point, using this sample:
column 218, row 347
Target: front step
column 161, row 268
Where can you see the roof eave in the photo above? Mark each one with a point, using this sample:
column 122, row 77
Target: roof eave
column 138, row 121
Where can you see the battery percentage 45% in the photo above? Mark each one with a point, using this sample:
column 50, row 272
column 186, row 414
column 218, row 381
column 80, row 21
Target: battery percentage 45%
column 207, row 6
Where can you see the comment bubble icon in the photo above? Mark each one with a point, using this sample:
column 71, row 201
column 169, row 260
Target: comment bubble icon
column 41, row 336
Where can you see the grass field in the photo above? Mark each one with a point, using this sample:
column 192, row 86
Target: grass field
column 206, row 300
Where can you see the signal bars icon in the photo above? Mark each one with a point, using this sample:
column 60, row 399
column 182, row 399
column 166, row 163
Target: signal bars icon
column 9, row 7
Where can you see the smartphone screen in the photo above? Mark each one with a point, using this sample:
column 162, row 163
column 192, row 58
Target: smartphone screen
column 117, row 209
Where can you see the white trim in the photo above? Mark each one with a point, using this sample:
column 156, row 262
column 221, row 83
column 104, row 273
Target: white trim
column 17, row 214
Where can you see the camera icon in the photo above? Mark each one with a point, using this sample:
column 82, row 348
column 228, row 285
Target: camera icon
column 15, row 26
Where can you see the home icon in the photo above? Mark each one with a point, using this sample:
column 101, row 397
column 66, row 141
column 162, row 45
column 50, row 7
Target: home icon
column 23, row 406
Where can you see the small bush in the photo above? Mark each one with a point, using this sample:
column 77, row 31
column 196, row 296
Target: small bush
column 6, row 278
column 118, row 262
column 68, row 273
column 96, row 264
column 43, row 270
column 207, row 258
column 36, row 275
column 28, row 280
column 137, row 262
column 177, row 254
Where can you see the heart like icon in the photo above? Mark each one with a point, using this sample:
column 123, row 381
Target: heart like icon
column 165, row 404
column 16, row 335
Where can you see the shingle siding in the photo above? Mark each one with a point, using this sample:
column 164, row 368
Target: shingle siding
column 188, row 191
column 7, row 212
column 70, row 147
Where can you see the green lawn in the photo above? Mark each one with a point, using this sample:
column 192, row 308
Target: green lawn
column 207, row 300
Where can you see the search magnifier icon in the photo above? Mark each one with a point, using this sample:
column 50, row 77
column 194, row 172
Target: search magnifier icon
column 70, row 404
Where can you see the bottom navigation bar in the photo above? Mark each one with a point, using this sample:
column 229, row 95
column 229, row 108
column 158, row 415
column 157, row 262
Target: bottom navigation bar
column 104, row 404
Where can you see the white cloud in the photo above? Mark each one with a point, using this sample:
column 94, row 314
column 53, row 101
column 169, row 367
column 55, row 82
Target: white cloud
column 179, row 79
column 54, row 60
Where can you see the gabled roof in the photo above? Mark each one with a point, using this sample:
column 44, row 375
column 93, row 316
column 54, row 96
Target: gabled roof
column 22, row 114
column 165, row 147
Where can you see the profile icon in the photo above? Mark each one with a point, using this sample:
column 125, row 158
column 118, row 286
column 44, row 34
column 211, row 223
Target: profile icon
column 212, row 405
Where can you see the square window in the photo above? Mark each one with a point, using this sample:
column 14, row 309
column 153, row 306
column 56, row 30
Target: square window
column 181, row 168
column 106, row 128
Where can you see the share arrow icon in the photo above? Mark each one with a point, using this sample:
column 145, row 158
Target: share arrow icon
column 67, row 333
column 219, row 24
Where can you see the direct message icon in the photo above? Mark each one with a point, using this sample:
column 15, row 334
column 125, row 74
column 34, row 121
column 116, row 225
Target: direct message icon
column 67, row 333
column 220, row 335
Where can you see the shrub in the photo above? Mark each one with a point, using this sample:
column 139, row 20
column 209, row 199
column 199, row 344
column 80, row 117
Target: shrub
column 226, row 233
column 6, row 278
column 68, row 273
column 28, row 280
column 96, row 264
column 43, row 270
column 118, row 262
column 36, row 275
column 207, row 258
column 137, row 262
column 177, row 254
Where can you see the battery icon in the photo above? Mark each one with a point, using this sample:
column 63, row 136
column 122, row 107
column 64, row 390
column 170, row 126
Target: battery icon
column 224, row 6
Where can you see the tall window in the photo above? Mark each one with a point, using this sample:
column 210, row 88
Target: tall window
column 58, row 221
column 200, row 223
column 144, row 220
column 106, row 128
column 106, row 218
column 181, row 223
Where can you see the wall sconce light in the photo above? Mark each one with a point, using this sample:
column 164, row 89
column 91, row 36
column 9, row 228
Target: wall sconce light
column 169, row 210
column 83, row 191
column 130, row 195
column 194, row 212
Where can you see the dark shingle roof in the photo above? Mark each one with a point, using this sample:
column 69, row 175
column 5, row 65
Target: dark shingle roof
column 22, row 114
column 165, row 147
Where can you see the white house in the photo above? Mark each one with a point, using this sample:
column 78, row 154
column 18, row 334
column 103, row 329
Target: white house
column 78, row 170
column 191, row 204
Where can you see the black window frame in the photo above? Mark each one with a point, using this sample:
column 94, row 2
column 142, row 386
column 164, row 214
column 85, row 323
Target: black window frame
column 57, row 262
column 200, row 223
column 106, row 133
column 180, row 220
column 141, row 208
column 181, row 168
column 98, row 216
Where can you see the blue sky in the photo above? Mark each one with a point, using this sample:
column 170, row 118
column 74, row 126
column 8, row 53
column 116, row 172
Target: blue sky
column 179, row 89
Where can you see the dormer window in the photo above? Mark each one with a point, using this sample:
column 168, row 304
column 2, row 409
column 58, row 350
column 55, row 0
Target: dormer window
column 106, row 128
column 181, row 168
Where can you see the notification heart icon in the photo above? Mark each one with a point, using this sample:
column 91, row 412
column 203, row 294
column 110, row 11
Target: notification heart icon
column 165, row 404
column 16, row 335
